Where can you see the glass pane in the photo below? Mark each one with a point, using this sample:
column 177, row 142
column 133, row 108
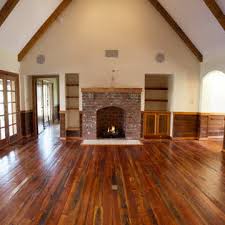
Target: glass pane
column 10, row 119
column 13, row 85
column 13, row 96
column 14, row 107
column 2, row 111
column 9, row 107
column 2, row 134
column 1, row 97
column 15, row 129
column 1, row 84
column 14, row 118
column 8, row 85
column 10, row 130
column 9, row 95
column 2, row 121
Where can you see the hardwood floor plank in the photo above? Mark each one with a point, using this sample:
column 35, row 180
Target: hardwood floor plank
column 51, row 182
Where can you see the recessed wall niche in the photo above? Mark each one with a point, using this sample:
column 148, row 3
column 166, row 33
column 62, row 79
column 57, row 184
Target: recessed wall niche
column 157, row 92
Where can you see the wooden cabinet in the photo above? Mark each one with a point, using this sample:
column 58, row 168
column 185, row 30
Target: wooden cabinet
column 156, row 124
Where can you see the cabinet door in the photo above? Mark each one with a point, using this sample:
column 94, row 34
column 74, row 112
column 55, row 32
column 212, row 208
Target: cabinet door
column 149, row 124
column 163, row 124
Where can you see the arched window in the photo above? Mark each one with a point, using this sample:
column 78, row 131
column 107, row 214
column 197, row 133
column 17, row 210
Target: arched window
column 213, row 92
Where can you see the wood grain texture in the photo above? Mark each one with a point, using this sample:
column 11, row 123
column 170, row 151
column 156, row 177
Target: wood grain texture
column 7, row 9
column 50, row 182
column 185, row 125
column 111, row 90
column 27, row 128
column 62, row 116
column 43, row 29
column 216, row 11
column 211, row 125
column 177, row 29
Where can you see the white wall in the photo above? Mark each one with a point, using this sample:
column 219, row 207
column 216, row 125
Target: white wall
column 8, row 61
column 77, row 40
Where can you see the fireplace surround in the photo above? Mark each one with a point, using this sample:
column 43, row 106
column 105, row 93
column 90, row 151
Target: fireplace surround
column 127, row 103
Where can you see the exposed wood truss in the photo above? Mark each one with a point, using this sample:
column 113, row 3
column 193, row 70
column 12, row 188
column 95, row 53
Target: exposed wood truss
column 7, row 9
column 43, row 28
column 216, row 11
column 177, row 28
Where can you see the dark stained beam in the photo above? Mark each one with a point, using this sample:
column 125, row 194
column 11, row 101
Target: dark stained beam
column 216, row 11
column 7, row 9
column 43, row 28
column 177, row 28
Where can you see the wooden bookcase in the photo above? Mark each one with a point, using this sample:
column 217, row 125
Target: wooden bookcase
column 156, row 92
column 156, row 116
column 72, row 105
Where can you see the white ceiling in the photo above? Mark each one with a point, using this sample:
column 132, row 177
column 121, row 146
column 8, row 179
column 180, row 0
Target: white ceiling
column 2, row 3
column 193, row 16
column 199, row 24
column 25, row 19
column 221, row 3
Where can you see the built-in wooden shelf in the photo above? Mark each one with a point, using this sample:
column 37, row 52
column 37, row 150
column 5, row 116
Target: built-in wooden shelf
column 75, row 108
column 156, row 89
column 72, row 96
column 72, row 85
column 73, row 128
column 156, row 100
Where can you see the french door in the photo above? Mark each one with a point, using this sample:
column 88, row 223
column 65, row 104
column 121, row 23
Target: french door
column 44, row 105
column 9, row 109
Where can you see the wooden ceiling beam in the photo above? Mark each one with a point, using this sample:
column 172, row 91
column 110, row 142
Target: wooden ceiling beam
column 7, row 9
column 177, row 28
column 43, row 28
column 216, row 11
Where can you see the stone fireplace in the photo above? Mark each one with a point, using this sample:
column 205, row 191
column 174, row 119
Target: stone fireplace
column 106, row 109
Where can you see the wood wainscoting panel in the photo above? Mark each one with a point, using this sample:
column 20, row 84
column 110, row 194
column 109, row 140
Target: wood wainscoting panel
column 62, row 124
column 56, row 113
column 198, row 125
column 27, row 128
column 203, row 127
column 185, row 125
column 216, row 126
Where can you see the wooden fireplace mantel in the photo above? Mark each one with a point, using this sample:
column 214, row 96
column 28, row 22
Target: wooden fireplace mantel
column 111, row 90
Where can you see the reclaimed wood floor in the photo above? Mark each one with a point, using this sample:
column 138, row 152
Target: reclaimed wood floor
column 47, row 181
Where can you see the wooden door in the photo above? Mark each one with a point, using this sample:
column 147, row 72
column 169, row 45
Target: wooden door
column 149, row 124
column 163, row 124
column 9, row 109
column 12, row 109
column 3, row 139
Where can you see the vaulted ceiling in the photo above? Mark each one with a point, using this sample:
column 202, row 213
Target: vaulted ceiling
column 193, row 16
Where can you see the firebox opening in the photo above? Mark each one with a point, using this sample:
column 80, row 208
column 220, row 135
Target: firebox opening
column 110, row 122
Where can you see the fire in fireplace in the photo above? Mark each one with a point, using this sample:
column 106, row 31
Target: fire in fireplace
column 110, row 122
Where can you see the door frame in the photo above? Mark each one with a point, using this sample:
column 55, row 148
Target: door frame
column 34, row 94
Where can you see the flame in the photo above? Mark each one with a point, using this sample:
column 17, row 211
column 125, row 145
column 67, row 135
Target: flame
column 112, row 130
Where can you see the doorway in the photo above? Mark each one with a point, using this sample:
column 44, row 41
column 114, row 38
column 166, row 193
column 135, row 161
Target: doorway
column 46, row 103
